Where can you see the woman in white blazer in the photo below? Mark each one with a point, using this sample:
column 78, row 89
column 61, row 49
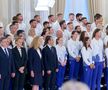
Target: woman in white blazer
column 73, row 47
column 97, row 47
column 88, row 63
column 62, row 60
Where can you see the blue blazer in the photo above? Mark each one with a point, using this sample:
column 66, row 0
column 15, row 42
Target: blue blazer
column 6, row 63
column 35, row 63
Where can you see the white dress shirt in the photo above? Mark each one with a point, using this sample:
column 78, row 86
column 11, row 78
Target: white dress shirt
column 73, row 48
column 7, row 30
column 89, row 34
column 93, row 26
column 61, row 53
column 56, row 27
column 38, row 29
column 87, row 56
column 29, row 40
column 20, row 52
column 38, row 51
column 97, row 47
column 22, row 26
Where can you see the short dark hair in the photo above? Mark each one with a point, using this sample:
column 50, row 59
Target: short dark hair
column 14, row 18
column 71, row 14
column 19, row 32
column 45, row 22
column 79, row 14
column 69, row 23
column 76, row 27
column 18, row 14
column 97, row 16
column 88, row 23
column 32, row 20
column 83, row 18
column 14, row 22
column 62, row 22
column 50, row 16
column 36, row 16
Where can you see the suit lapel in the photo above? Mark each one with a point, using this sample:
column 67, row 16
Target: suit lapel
column 18, row 52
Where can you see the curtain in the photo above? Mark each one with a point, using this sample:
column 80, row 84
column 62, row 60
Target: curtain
column 59, row 7
column 25, row 9
column 4, row 11
column 72, row 6
column 98, row 6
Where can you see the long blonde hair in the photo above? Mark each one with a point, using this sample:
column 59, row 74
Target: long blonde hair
column 36, row 42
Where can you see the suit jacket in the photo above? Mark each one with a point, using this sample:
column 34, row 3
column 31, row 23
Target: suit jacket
column 6, row 63
column 50, row 58
column 35, row 61
column 20, row 60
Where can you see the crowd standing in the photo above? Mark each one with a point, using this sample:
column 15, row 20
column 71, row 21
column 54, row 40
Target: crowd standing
column 46, row 52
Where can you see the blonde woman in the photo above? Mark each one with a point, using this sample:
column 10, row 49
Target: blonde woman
column 35, row 63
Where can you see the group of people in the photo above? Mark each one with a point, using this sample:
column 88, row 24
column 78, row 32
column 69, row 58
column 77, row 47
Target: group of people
column 45, row 52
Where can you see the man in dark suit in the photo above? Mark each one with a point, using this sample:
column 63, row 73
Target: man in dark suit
column 50, row 63
column 7, row 68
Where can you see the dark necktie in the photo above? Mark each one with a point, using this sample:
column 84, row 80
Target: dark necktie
column 6, row 52
column 52, row 49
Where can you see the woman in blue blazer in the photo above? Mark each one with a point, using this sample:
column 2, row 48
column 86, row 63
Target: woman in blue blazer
column 35, row 63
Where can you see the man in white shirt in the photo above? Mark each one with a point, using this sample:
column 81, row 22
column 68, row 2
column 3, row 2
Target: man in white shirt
column 39, row 27
column 13, row 31
column 83, row 25
column 78, row 19
column 71, row 17
column 97, row 20
column 46, row 24
column 14, row 19
column 22, row 25
column 69, row 30
column 1, row 30
column 56, row 25
column 88, row 30
column 33, row 25
column 51, row 20
column 63, row 29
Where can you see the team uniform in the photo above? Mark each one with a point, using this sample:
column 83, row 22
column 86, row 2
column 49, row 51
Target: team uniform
column 74, row 51
column 62, row 57
column 97, row 47
column 87, row 61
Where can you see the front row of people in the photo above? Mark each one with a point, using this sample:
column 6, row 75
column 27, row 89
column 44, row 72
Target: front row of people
column 47, row 66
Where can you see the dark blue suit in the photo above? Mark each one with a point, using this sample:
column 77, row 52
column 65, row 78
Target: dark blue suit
column 50, row 63
column 35, row 65
column 6, row 68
